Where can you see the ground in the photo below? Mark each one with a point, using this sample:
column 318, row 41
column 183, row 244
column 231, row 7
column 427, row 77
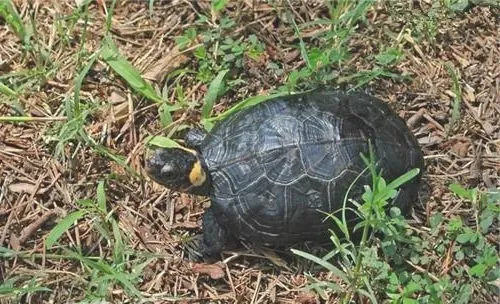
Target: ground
column 74, row 127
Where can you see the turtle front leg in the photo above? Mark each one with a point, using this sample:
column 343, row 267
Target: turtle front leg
column 214, row 240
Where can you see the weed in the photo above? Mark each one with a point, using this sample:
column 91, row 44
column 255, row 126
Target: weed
column 357, row 261
column 377, row 267
column 10, row 14
column 122, row 268
column 457, row 100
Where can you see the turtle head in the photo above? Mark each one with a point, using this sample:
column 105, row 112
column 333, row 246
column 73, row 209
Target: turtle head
column 179, row 169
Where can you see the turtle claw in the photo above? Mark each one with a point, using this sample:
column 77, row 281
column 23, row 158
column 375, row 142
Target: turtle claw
column 193, row 249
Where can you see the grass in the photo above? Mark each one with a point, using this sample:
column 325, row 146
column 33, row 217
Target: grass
column 450, row 261
column 392, row 262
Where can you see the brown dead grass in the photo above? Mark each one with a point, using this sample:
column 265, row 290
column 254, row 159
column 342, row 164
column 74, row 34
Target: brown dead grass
column 36, row 188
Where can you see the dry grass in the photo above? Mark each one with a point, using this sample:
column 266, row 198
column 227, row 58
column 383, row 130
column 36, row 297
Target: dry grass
column 37, row 189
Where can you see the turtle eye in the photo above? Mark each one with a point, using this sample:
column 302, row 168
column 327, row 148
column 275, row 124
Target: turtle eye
column 169, row 172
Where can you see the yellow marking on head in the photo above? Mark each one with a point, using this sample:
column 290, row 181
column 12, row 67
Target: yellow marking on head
column 197, row 176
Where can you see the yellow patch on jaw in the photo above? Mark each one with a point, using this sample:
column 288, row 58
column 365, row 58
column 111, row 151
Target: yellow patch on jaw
column 197, row 175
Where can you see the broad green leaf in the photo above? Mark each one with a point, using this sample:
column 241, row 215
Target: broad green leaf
column 162, row 141
column 63, row 226
column 215, row 88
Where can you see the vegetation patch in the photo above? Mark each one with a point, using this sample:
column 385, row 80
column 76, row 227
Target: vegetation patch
column 87, row 86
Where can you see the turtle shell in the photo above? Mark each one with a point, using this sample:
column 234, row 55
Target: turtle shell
column 276, row 165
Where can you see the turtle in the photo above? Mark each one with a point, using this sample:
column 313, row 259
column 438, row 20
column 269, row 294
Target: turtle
column 272, row 170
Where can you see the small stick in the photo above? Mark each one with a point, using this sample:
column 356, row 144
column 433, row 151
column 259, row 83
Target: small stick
column 30, row 118
column 31, row 228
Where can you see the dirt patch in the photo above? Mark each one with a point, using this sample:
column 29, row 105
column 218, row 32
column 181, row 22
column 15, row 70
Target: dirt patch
column 38, row 189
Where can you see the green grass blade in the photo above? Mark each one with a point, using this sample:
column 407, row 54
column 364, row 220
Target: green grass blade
column 121, row 279
column 63, row 226
column 244, row 104
column 10, row 14
column 118, row 245
column 325, row 264
column 216, row 86
column 101, row 197
column 330, row 285
column 9, row 289
column 303, row 49
column 127, row 71
column 457, row 101
column 403, row 179
column 73, row 110
column 354, row 15
column 5, row 90
column 368, row 295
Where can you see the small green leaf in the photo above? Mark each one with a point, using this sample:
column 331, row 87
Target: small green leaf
column 486, row 222
column 479, row 270
column 436, row 219
column 460, row 191
column 464, row 294
column 219, row 5
column 459, row 5
column 455, row 223
column 63, row 226
column 200, row 52
column 207, row 125
column 164, row 111
column 463, row 238
column 395, row 211
column 215, row 88
column 389, row 56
